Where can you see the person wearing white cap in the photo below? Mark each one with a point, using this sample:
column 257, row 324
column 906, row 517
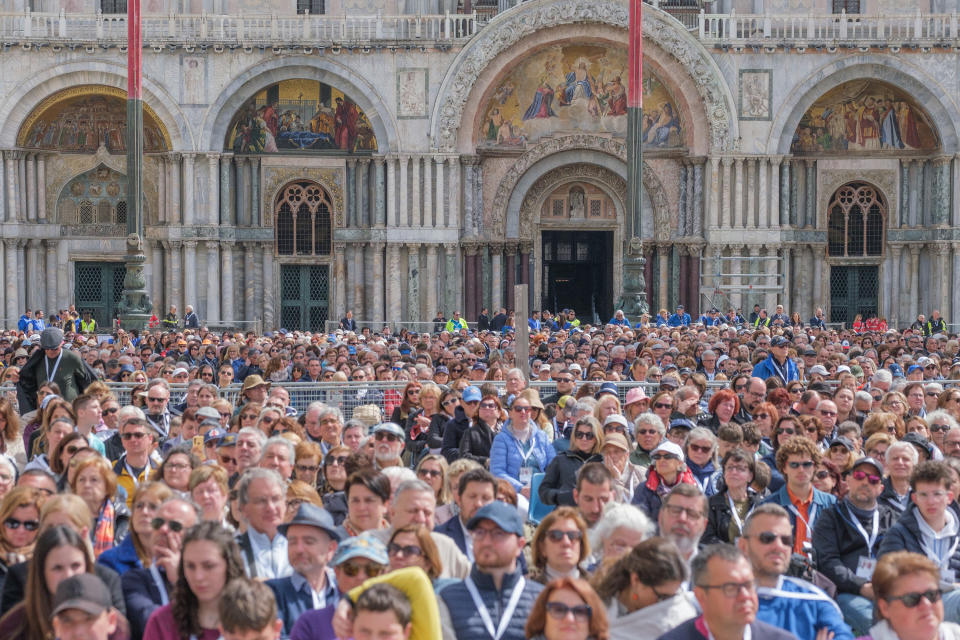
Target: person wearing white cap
column 388, row 437
column 667, row 472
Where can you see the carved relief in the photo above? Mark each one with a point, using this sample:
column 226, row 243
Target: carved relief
column 330, row 179
column 830, row 181
column 504, row 33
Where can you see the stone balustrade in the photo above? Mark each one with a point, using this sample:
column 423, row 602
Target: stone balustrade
column 237, row 31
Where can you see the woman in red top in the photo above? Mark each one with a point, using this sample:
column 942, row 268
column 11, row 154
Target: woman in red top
column 858, row 324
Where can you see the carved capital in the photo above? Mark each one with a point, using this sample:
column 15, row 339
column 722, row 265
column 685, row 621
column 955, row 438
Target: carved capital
column 510, row 248
column 339, row 248
column 726, row 161
column 471, row 160
column 377, row 246
column 414, row 247
column 190, row 244
column 471, row 248
column 451, row 249
column 496, row 249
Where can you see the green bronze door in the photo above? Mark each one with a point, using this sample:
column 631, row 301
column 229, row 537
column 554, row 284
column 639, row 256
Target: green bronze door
column 304, row 296
column 99, row 286
column 853, row 290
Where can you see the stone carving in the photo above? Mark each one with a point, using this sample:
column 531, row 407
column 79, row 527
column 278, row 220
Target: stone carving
column 755, row 92
column 633, row 301
column 831, row 180
column 412, row 93
column 548, row 183
column 330, row 178
column 509, row 28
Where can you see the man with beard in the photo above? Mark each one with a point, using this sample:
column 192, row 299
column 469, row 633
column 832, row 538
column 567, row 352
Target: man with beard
column 146, row 590
column 497, row 532
column 784, row 601
column 311, row 542
column 388, row 438
column 593, row 491
column 683, row 518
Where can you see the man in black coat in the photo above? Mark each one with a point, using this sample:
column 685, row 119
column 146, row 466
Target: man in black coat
column 347, row 323
column 52, row 362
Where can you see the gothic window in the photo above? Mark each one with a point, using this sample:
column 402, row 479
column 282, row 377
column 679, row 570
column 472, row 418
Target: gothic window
column 855, row 221
column 113, row 6
column 303, row 218
column 849, row 6
column 313, row 7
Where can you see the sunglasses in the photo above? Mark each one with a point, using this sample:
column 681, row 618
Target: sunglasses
column 869, row 477
column 647, row 432
column 390, row 437
column 430, row 473
column 338, row 460
column 111, row 411
column 789, row 431
column 939, row 427
column 174, row 525
column 761, row 416
column 449, row 401
column 557, row 535
column 488, row 405
column 615, row 428
column 248, row 416
column 523, row 409
column 584, row 435
column 911, row 600
column 663, row 456
column 227, row 460
column 559, row 611
column 806, row 464
column 152, row 399
column 663, row 405
column 395, row 549
column 352, row 570
column 13, row 523
column 130, row 435
column 768, row 537
column 823, row 475
column 307, row 468
column 700, row 448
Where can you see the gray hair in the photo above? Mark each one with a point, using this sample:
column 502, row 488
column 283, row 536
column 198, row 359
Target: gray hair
column 650, row 420
column 6, row 462
column 700, row 433
column 287, row 444
column 158, row 382
column 261, row 439
column 941, row 415
column 130, row 412
column 617, row 515
column 900, row 445
column 698, row 566
column 256, row 473
column 330, row 410
column 316, row 405
column 187, row 501
column 354, row 423
column 883, row 375
column 399, row 475
column 415, row 485
column 863, row 396
column 933, row 386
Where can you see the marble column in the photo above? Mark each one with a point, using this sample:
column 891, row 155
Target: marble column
column 403, row 193
column 695, row 251
column 955, row 310
column 391, row 192
column 364, row 213
column 427, row 215
column 469, row 163
column 896, row 250
column 214, row 288
column 190, row 273
column 250, row 277
column 157, row 278
column 915, row 181
column 725, row 217
column 763, row 196
column 10, row 256
column 168, row 259
column 787, row 274
column 510, row 251
column 30, row 283
column 941, row 169
column 736, row 296
column 432, row 280
column 496, row 277
column 392, row 277
column 160, row 215
column 416, row 210
column 697, row 209
column 173, row 199
column 746, row 216
column 943, row 257
column 377, row 281
column 31, row 160
column 3, row 192
column 811, row 185
column 663, row 262
column 360, row 308
column 413, row 275
column 51, row 257
column 176, row 260
column 817, row 267
column 227, row 214
column 269, row 302
column 339, row 280
column 379, row 188
column 898, row 218
column 774, row 199
column 452, row 281
column 772, row 270
column 242, row 189
column 228, row 309
column 351, row 200
column 471, row 290
column 454, row 217
column 213, row 189
column 914, row 281
column 785, row 189
column 683, row 206
column 796, row 216
column 255, row 213
column 714, row 193
column 13, row 208
column 441, row 212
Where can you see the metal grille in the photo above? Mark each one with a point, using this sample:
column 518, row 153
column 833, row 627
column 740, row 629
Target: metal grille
column 853, row 290
column 104, row 213
column 122, row 212
column 284, row 230
column 86, row 213
column 304, row 232
column 89, row 283
column 855, row 231
column 868, row 281
column 313, row 7
column 836, row 228
column 321, row 231
column 558, row 208
column 119, row 272
column 290, row 318
column 583, row 251
column 290, row 283
column 596, row 209
column 855, row 226
column 113, row 6
column 849, row 6
column 318, row 316
column 875, row 231
column 319, row 283
column 564, row 251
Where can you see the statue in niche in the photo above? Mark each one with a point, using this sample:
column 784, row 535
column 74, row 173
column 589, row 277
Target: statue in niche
column 577, row 203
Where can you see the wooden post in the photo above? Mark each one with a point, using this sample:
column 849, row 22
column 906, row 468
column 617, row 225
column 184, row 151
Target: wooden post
column 521, row 314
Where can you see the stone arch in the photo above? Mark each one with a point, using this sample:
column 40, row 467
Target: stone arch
column 27, row 96
column 605, row 153
column 504, row 32
column 611, row 182
column 940, row 106
column 247, row 83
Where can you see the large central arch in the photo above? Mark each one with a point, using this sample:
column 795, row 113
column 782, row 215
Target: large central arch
column 510, row 27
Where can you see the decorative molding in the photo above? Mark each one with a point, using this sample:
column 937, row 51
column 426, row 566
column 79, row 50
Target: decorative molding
column 510, row 27
column 580, row 172
column 275, row 177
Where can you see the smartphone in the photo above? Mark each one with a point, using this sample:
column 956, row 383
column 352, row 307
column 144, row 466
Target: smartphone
column 198, row 442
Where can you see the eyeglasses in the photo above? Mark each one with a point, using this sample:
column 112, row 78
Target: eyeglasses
column 663, row 405
column 430, row 473
column 131, row 435
column 647, row 432
column 13, row 523
column 111, row 411
column 911, row 600
column 449, row 401
column 768, row 537
column 584, row 435
column 395, row 549
column 761, row 416
column 788, row 430
column 225, row 414
column 352, row 570
column 827, row 413
column 497, row 535
column 307, row 468
column 559, row 611
column 527, row 409
column 72, row 449
column 877, row 398
column 939, row 427
column 806, row 464
column 822, row 475
column 676, row 511
column 339, row 460
column 615, row 428
column 488, row 405
column 700, row 448
column 557, row 535
column 248, row 416
column 174, row 525
column 869, row 477
column 731, row 589
column 932, row 394
column 564, row 379
column 663, row 456
column 227, row 460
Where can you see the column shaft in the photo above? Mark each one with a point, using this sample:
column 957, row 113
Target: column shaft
column 811, row 186
column 268, row 287
column 228, row 310
column 763, row 197
column 432, row 280
column 413, row 275
column 785, row 194
column 698, row 198
column 352, row 208
column 380, row 193
column 725, row 219
column 250, row 278
column 415, row 208
column 714, row 195
column 157, row 278
column 440, row 213
column 427, row 216
column 454, row 218
column 190, row 273
column 214, row 288
column 774, row 200
column 173, row 200
column 227, row 190
column 391, row 192
column 392, row 276
column 12, row 205
column 31, row 161
column 403, row 193
column 339, row 280
column 377, row 281
column 496, row 278
column 213, row 189
column 13, row 311
column 51, row 302
column 189, row 191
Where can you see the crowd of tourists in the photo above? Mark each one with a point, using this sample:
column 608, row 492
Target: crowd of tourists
column 724, row 478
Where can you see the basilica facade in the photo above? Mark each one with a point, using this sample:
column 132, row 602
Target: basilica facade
column 397, row 160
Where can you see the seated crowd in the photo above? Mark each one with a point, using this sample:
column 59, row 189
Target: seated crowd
column 792, row 482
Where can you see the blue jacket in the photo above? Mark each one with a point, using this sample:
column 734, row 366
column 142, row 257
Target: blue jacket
column 142, row 597
column 676, row 320
column 506, row 460
column 293, row 603
column 768, row 369
column 469, row 625
column 906, row 536
column 797, row 606
column 25, row 322
column 817, row 323
column 315, row 625
column 821, row 501
column 121, row 558
column 661, row 321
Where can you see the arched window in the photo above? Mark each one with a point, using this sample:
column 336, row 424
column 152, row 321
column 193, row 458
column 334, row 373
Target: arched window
column 855, row 221
column 303, row 224
column 94, row 203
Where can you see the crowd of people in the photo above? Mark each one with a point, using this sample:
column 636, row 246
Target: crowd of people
column 692, row 480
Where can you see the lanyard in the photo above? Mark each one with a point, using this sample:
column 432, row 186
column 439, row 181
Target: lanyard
column 812, row 512
column 872, row 538
column 134, row 476
column 777, row 369
column 507, row 612
column 942, row 561
column 526, row 456
column 736, row 516
column 161, row 587
column 56, row 365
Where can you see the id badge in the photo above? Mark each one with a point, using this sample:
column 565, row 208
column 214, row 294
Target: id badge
column 526, row 474
column 865, row 567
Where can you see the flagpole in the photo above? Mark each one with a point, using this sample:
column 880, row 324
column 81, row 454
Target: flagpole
column 135, row 306
column 633, row 300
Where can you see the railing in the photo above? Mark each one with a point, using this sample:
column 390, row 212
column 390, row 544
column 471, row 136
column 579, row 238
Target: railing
column 395, row 327
column 241, row 30
column 841, row 28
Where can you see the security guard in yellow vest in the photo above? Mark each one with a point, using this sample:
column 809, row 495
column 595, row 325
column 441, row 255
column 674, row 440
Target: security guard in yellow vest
column 87, row 324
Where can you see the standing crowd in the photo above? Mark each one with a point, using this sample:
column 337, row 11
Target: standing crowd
column 713, row 480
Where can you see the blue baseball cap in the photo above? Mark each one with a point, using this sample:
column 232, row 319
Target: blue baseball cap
column 501, row 514
column 896, row 370
column 471, row 394
column 213, row 436
column 606, row 387
column 914, row 367
column 365, row 545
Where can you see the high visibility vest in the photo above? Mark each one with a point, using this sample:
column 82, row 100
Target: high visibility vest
column 88, row 327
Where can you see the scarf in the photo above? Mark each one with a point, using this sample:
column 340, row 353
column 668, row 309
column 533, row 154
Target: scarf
column 656, row 484
column 103, row 533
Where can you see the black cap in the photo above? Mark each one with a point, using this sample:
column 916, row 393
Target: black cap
column 85, row 591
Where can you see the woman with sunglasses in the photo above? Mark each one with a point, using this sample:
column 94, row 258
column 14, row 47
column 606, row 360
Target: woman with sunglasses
column 828, row 479
column 55, row 408
column 885, row 422
column 561, row 474
column 568, row 609
column 413, row 546
column 19, row 521
column 559, row 546
column 521, row 449
column 643, row 591
column 407, row 413
column 432, row 469
column 209, row 560
column 476, row 442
